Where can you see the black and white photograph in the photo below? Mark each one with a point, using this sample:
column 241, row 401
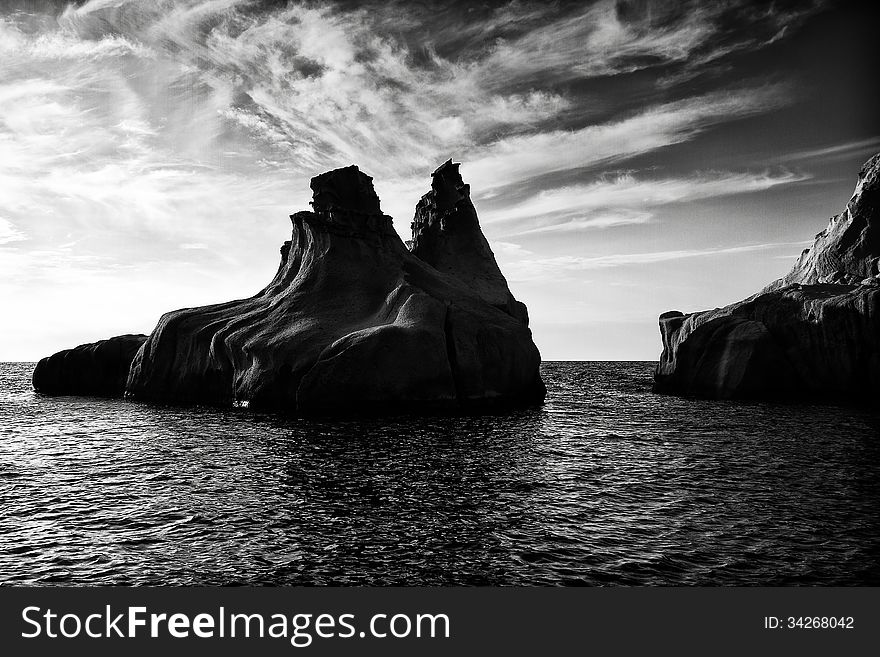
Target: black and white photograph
column 439, row 294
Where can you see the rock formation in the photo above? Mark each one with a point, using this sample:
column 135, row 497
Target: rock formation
column 813, row 334
column 446, row 234
column 99, row 368
column 353, row 321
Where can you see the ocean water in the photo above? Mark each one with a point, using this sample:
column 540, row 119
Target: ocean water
column 606, row 484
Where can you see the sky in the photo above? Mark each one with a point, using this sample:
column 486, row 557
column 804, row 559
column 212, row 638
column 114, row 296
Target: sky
column 625, row 158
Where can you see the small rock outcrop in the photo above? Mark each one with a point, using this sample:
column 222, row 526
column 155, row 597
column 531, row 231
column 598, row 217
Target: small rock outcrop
column 354, row 321
column 813, row 334
column 98, row 368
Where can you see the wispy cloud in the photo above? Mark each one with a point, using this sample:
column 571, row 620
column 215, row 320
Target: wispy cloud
column 119, row 115
column 538, row 268
column 610, row 38
column 59, row 45
column 597, row 40
column 595, row 219
column 9, row 233
column 624, row 199
column 522, row 158
column 320, row 84
column 86, row 149
column 858, row 147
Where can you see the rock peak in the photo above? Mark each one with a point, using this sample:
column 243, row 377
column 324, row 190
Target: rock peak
column 847, row 251
column 871, row 168
column 447, row 187
column 347, row 188
column 446, row 234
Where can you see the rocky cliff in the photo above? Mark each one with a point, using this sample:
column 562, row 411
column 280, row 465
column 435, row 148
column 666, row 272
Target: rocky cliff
column 813, row 334
column 354, row 321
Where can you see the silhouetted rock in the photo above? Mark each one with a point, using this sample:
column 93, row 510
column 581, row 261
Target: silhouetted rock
column 98, row 368
column 813, row 334
column 446, row 234
column 352, row 321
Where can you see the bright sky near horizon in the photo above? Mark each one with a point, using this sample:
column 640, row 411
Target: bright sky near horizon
column 626, row 158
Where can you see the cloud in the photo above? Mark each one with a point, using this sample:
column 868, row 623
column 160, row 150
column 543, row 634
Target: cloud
column 835, row 151
column 556, row 267
column 508, row 249
column 623, row 199
column 60, row 45
column 593, row 220
column 9, row 233
column 527, row 157
column 597, row 41
column 614, row 37
column 331, row 86
column 320, row 82
column 94, row 150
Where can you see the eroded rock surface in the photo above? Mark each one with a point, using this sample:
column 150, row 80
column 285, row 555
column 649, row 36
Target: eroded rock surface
column 98, row 368
column 813, row 334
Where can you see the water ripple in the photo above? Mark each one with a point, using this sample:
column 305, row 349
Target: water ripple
column 607, row 484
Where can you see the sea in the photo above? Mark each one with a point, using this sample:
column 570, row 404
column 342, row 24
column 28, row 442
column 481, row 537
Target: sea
column 606, row 484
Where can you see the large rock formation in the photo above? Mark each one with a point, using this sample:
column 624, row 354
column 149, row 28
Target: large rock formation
column 813, row 334
column 98, row 368
column 353, row 321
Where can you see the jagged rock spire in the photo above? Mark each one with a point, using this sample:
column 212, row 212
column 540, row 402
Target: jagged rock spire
column 446, row 234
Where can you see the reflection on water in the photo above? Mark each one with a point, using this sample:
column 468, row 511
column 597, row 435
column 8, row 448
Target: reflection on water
column 606, row 484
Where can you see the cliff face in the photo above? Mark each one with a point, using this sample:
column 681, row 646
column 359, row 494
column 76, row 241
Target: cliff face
column 352, row 321
column 813, row 334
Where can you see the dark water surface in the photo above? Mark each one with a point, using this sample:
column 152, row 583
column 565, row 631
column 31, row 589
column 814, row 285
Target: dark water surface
column 606, row 484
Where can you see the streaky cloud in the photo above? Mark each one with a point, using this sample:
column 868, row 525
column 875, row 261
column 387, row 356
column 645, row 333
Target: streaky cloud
column 625, row 199
column 527, row 157
column 856, row 148
column 543, row 268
